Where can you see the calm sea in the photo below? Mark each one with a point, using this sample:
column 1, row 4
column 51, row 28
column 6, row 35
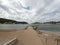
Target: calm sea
column 13, row 26
column 51, row 27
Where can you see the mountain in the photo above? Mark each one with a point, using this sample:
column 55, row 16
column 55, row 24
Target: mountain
column 36, row 23
column 52, row 22
column 8, row 21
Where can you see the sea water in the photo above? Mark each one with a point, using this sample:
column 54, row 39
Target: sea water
column 13, row 26
column 50, row 27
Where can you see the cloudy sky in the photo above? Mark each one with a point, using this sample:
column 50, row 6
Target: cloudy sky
column 30, row 10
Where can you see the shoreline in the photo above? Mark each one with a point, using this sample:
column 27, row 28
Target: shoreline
column 29, row 36
column 50, row 32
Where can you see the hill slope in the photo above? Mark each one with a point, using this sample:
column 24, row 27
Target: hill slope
column 8, row 21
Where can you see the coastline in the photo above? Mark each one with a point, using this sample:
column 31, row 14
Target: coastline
column 30, row 36
column 50, row 32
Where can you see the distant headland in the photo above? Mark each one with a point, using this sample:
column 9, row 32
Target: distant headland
column 51, row 22
column 9, row 21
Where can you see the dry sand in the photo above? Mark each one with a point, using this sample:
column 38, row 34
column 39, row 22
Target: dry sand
column 28, row 37
column 24, row 37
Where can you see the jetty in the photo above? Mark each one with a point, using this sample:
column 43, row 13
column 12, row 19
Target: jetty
column 28, row 36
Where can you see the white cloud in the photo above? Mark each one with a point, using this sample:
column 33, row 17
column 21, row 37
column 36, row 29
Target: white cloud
column 30, row 10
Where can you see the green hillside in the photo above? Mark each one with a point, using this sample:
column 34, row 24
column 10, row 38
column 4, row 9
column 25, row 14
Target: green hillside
column 8, row 21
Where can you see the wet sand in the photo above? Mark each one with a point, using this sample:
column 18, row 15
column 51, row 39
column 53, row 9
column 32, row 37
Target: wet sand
column 29, row 36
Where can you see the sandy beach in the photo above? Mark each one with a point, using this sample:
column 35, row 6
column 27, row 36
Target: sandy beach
column 29, row 36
